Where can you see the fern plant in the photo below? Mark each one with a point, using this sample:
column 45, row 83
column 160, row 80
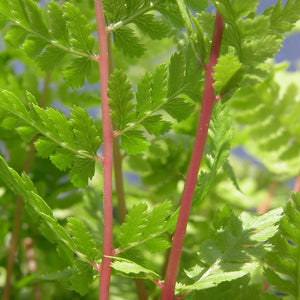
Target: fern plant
column 180, row 86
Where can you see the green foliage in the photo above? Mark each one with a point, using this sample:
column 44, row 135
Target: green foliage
column 75, row 73
column 129, row 44
column 83, row 238
column 151, row 96
column 283, row 261
column 218, row 149
column 79, row 29
column 138, row 13
column 176, row 77
column 144, row 231
column 65, row 31
column 268, row 34
column 282, row 18
column 43, row 216
column 69, row 143
column 235, row 250
column 239, row 289
column 144, row 14
column 277, row 136
column 227, row 73
column 140, row 226
column 82, row 277
column 120, row 95
column 132, row 269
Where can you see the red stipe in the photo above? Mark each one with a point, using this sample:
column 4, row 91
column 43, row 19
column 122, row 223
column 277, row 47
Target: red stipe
column 95, row 57
column 116, row 251
column 107, row 161
column 159, row 283
column 208, row 101
column 218, row 98
column 296, row 188
column 116, row 133
column 99, row 158
column 97, row 266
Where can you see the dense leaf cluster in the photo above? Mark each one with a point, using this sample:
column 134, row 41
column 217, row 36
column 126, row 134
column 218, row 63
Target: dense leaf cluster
column 76, row 241
column 161, row 90
column 48, row 40
column 283, row 272
column 69, row 143
column 277, row 136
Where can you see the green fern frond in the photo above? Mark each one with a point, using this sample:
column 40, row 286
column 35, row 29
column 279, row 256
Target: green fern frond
column 69, row 143
column 272, row 122
column 235, row 250
column 142, row 226
column 152, row 96
column 64, row 32
column 43, row 215
column 283, row 261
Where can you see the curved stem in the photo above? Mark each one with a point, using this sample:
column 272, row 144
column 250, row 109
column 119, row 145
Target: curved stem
column 28, row 243
column 208, row 101
column 107, row 163
column 296, row 188
column 12, row 248
column 264, row 207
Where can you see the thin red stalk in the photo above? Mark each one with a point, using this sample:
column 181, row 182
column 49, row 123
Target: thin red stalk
column 208, row 102
column 264, row 207
column 107, row 164
column 296, row 188
column 19, row 206
column 12, row 248
column 28, row 242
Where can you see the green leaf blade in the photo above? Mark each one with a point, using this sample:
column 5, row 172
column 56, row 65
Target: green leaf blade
column 134, row 142
column 58, row 28
column 82, row 170
column 75, row 74
column 176, row 74
column 227, row 74
column 82, row 238
column 126, row 40
column 120, row 100
column 131, row 230
column 143, row 95
column 50, row 58
column 178, row 108
column 35, row 18
column 85, row 132
column 82, row 278
column 284, row 271
column 79, row 29
column 132, row 269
